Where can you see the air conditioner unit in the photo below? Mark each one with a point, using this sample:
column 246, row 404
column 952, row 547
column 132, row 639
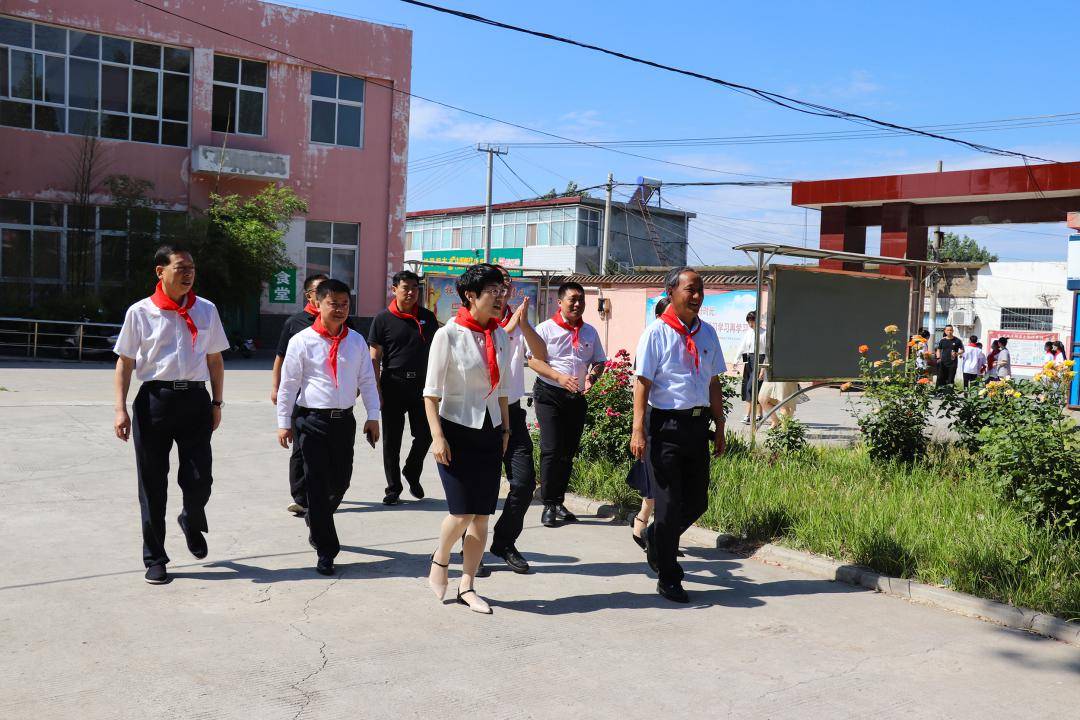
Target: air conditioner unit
column 964, row 317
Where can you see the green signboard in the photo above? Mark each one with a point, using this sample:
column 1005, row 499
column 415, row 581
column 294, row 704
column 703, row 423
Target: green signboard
column 509, row 258
column 283, row 286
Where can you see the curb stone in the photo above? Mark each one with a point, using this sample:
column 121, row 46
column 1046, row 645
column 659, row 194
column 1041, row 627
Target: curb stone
column 826, row 568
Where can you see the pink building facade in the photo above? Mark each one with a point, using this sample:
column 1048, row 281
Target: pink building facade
column 198, row 95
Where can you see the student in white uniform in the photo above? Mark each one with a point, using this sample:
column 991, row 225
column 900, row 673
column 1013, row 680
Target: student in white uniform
column 465, row 399
column 325, row 367
column 973, row 361
column 574, row 354
column 518, row 458
column 173, row 342
column 678, row 363
column 745, row 358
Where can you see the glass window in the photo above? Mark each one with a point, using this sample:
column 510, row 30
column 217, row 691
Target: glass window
column 49, row 214
column 22, row 74
column 50, row 39
column 337, row 116
column 85, row 45
column 48, row 118
column 15, row 212
column 174, row 96
column 144, row 92
column 318, row 260
column 146, row 55
column 343, row 267
column 15, row 253
column 46, row 254
column 317, row 232
column 15, row 32
column 113, row 257
column 116, row 50
column 346, row 234
column 55, row 72
column 15, row 114
column 177, row 60
column 239, row 98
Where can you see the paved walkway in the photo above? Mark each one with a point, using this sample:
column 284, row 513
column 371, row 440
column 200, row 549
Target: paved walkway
column 253, row 631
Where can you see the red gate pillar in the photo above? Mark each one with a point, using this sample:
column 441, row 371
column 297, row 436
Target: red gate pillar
column 901, row 236
column 838, row 234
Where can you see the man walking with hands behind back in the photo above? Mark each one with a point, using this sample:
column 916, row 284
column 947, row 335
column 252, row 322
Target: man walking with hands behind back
column 574, row 353
column 399, row 339
column 173, row 341
column 949, row 351
column 679, row 360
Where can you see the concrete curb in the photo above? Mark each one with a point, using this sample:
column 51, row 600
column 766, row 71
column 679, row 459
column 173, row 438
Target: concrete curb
column 829, row 569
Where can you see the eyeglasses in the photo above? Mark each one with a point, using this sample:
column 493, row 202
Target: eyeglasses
column 497, row 291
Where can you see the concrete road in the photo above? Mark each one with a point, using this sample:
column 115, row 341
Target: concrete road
column 253, row 631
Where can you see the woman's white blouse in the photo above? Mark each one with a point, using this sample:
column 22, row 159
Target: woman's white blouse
column 457, row 374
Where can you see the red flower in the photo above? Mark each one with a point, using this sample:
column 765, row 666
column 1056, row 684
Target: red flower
column 612, row 413
column 863, row 349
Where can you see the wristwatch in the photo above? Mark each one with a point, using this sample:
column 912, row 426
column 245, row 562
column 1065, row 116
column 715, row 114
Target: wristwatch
column 217, row 403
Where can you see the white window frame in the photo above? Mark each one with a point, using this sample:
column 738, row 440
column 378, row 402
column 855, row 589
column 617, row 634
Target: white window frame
column 332, row 247
column 239, row 85
column 335, row 101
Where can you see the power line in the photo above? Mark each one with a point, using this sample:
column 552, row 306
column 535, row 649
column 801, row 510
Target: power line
column 785, row 101
column 535, row 192
column 456, row 108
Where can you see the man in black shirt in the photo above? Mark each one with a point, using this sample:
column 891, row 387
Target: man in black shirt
column 949, row 350
column 399, row 339
column 294, row 324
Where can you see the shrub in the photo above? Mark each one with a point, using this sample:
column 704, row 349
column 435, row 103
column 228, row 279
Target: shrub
column 898, row 395
column 610, row 415
column 788, row 436
column 1031, row 450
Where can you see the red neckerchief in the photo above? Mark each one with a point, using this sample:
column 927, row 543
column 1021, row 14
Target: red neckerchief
column 164, row 302
column 335, row 343
column 672, row 320
column 507, row 314
column 393, row 308
column 311, row 309
column 466, row 320
column 574, row 330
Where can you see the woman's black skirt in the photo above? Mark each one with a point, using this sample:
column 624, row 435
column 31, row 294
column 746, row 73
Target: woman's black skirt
column 471, row 480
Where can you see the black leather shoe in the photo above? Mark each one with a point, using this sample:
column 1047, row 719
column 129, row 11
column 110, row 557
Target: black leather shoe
column 325, row 566
column 673, row 592
column 549, row 518
column 650, row 549
column 391, row 498
column 563, row 514
column 156, row 575
column 512, row 558
column 416, row 490
column 196, row 543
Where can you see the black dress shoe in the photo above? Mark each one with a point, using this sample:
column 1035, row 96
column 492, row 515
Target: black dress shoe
column 563, row 514
column 638, row 540
column 416, row 490
column 549, row 518
column 512, row 558
column 650, row 549
column 325, row 566
column 673, row 592
column 156, row 575
column 196, row 543
column 391, row 498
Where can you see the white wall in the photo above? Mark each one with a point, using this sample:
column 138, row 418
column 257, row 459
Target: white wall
column 1027, row 285
column 295, row 249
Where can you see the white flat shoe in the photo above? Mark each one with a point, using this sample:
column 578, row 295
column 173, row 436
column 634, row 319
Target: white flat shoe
column 474, row 602
column 438, row 588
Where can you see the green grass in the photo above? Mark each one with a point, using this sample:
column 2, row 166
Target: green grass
column 936, row 522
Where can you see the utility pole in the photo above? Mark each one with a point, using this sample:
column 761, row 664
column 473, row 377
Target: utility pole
column 933, row 277
column 492, row 151
column 606, row 243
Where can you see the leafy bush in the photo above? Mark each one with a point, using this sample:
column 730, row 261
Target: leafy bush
column 970, row 410
column 1031, row 449
column 610, row 415
column 788, row 436
column 894, row 428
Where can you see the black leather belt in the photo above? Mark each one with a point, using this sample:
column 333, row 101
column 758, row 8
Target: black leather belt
column 403, row 374
column 687, row 413
column 176, row 384
column 332, row 413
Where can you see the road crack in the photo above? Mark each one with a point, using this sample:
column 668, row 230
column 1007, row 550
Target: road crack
column 298, row 686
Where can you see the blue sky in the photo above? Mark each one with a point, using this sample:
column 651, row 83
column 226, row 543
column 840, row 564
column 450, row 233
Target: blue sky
column 914, row 63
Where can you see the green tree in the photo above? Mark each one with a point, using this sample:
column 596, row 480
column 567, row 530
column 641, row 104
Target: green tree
column 961, row 248
column 571, row 189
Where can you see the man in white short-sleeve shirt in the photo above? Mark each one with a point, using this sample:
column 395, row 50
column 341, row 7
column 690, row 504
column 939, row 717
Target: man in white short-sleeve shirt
column 574, row 355
column 679, row 361
column 173, row 342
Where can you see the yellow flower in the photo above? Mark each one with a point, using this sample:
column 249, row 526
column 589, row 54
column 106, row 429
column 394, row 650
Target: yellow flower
column 845, row 387
column 877, row 363
column 1013, row 393
column 1049, row 364
column 891, row 329
column 1038, row 376
column 897, row 362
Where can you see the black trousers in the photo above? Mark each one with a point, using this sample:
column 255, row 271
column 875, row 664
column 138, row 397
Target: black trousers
column 297, row 488
column 326, row 445
column 561, row 415
column 403, row 397
column 970, row 378
column 518, row 462
column 678, row 455
column 946, row 374
column 161, row 416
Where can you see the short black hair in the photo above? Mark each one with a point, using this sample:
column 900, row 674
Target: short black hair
column 568, row 286
column 476, row 278
column 924, row 332
column 331, row 287
column 751, row 316
column 1003, row 341
column 661, row 306
column 163, row 255
column 973, row 339
column 404, row 275
column 949, row 326
column 312, row 279
column 673, row 275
